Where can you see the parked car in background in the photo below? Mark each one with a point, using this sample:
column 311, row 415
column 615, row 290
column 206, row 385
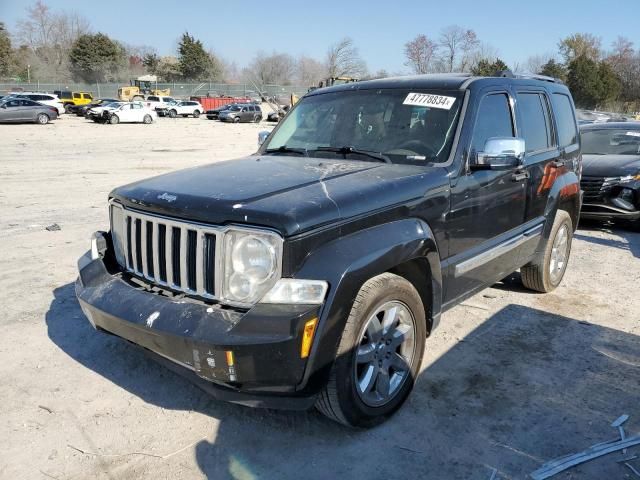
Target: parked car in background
column 22, row 110
column 241, row 113
column 183, row 108
column 81, row 110
column 96, row 113
column 611, row 171
column 214, row 113
column 70, row 99
column 377, row 209
column 158, row 101
column 130, row 112
column 44, row 99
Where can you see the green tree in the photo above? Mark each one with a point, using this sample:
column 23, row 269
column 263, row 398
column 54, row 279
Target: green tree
column 151, row 62
column 554, row 69
column 195, row 63
column 5, row 51
column 487, row 68
column 592, row 83
column 96, row 58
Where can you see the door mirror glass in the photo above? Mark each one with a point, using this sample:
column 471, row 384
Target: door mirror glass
column 262, row 136
column 500, row 153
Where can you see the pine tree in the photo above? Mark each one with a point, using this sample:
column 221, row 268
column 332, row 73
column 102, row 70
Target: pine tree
column 96, row 58
column 194, row 62
column 487, row 68
column 5, row 51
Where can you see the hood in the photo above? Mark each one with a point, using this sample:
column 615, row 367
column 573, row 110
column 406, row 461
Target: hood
column 287, row 193
column 610, row 165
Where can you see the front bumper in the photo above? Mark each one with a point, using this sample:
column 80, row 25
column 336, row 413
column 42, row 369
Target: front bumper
column 246, row 357
column 604, row 211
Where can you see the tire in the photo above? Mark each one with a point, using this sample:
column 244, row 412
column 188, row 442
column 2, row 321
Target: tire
column 114, row 120
column 236, row 120
column 544, row 273
column 137, row 98
column 42, row 118
column 342, row 399
column 196, row 113
column 147, row 119
column 256, row 118
column 173, row 113
column 67, row 108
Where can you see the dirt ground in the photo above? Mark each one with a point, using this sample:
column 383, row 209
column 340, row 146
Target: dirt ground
column 511, row 379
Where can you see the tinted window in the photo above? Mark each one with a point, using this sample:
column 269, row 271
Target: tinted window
column 76, row 95
column 28, row 103
column 493, row 120
column 535, row 130
column 13, row 103
column 153, row 99
column 567, row 132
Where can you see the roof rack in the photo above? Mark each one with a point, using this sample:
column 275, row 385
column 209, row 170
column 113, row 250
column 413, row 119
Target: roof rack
column 530, row 76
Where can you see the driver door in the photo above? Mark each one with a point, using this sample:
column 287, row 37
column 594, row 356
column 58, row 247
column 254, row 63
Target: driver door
column 487, row 206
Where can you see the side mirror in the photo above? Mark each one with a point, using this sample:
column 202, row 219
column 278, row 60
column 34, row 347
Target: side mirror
column 500, row 153
column 262, row 136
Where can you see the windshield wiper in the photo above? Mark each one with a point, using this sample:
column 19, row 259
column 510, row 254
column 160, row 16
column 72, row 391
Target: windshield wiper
column 356, row 151
column 285, row 149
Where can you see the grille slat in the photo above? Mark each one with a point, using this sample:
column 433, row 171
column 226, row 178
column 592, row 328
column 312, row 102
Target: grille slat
column 592, row 188
column 176, row 254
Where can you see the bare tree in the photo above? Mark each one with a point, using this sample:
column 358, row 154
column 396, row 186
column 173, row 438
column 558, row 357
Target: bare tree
column 343, row 60
column 580, row 44
column 420, row 54
column 481, row 52
column 458, row 45
column 535, row 63
column 49, row 36
column 274, row 69
column 309, row 71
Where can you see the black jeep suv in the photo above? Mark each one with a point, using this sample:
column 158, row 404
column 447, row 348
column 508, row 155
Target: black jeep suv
column 313, row 271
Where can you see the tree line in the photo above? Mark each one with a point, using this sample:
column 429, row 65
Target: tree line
column 58, row 46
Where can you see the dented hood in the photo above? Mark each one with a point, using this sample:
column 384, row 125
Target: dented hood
column 287, row 193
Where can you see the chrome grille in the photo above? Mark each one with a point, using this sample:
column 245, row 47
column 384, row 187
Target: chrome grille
column 176, row 254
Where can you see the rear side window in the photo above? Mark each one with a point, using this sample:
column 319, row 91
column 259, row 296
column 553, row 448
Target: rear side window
column 535, row 128
column 566, row 124
column 153, row 99
column 493, row 120
column 77, row 95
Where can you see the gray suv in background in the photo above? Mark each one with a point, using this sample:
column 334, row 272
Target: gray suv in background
column 241, row 113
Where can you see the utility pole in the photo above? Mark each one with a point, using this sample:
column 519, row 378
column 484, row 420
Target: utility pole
column 29, row 74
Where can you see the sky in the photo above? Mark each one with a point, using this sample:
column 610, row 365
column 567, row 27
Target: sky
column 236, row 30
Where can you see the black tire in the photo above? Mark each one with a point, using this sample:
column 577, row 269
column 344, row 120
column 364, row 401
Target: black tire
column 67, row 108
column 537, row 275
column 42, row 118
column 114, row 120
column 236, row 119
column 173, row 113
column 147, row 119
column 137, row 98
column 196, row 113
column 339, row 399
column 256, row 118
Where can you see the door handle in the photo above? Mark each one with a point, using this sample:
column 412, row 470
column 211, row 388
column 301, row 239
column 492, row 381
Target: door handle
column 520, row 175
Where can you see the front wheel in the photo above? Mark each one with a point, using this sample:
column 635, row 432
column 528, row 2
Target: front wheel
column 42, row 119
column 114, row 120
column 196, row 113
column 379, row 354
column 256, row 118
column 147, row 119
column 236, row 120
column 173, row 113
column 545, row 273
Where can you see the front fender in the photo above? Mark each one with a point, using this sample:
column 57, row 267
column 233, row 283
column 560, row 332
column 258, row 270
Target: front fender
column 346, row 264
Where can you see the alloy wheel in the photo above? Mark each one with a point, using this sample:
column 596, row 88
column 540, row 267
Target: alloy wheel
column 559, row 254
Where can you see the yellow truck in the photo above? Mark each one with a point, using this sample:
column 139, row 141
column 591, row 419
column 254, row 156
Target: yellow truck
column 69, row 98
column 140, row 88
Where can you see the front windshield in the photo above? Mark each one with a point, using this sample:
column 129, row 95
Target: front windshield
column 402, row 126
column 611, row 141
column 234, row 108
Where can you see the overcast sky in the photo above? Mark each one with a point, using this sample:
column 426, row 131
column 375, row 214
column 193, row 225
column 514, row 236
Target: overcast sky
column 237, row 29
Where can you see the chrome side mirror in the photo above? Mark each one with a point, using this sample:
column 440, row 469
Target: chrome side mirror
column 262, row 136
column 500, row 153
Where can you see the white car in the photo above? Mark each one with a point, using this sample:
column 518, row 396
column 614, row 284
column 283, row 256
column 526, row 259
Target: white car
column 43, row 98
column 184, row 108
column 131, row 112
column 157, row 101
column 95, row 113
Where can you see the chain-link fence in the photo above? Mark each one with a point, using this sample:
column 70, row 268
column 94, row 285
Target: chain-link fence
column 178, row 90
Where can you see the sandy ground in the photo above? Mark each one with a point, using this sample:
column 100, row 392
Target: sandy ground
column 510, row 380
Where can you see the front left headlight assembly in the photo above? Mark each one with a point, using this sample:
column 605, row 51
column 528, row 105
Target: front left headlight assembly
column 252, row 265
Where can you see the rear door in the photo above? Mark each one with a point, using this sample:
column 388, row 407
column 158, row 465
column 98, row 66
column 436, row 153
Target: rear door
column 537, row 129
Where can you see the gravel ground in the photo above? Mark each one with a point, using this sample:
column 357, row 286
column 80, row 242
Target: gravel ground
column 510, row 380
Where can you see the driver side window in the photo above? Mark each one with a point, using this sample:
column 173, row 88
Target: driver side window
column 493, row 120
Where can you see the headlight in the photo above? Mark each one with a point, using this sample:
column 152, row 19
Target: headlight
column 252, row 265
column 118, row 233
column 629, row 178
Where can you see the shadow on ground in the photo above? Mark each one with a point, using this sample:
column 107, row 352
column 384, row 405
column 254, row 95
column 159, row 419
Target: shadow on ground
column 630, row 242
column 525, row 387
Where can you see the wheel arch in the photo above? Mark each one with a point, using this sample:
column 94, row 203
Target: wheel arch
column 405, row 247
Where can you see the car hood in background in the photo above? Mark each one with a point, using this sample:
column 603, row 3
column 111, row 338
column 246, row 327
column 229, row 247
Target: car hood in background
column 610, row 165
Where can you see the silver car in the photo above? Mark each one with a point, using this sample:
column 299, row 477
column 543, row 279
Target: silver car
column 19, row 110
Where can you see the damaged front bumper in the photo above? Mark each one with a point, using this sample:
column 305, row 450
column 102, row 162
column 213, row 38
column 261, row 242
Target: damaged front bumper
column 247, row 357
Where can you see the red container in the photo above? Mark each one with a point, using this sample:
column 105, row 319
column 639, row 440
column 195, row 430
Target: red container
column 209, row 103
